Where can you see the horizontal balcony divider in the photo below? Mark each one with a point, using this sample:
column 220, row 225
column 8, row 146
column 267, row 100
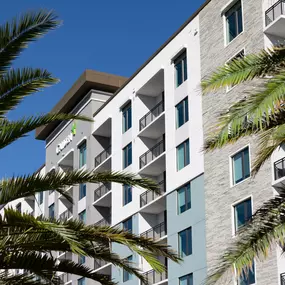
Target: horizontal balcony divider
column 101, row 191
column 98, row 263
column 101, row 157
column 156, row 232
column 150, row 195
column 152, row 153
column 154, row 277
column 66, row 214
column 274, row 12
column 151, row 115
column 103, row 222
column 279, row 168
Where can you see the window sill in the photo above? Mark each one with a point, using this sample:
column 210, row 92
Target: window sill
column 239, row 35
column 233, row 185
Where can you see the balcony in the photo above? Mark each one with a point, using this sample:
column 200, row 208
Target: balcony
column 103, row 157
column 282, row 279
column 152, row 125
column 66, row 215
column 104, row 222
column 102, row 267
column 275, row 19
column 102, row 195
column 69, row 190
column 154, row 277
column 156, row 233
column 152, row 162
column 65, row 278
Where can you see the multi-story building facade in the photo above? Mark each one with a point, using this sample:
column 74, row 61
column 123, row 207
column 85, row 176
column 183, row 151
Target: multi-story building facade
column 154, row 124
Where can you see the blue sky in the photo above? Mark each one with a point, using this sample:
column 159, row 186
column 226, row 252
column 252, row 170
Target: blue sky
column 110, row 36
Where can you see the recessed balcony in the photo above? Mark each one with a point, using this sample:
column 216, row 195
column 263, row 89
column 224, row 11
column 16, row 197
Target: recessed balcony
column 102, row 195
column 105, row 222
column 66, row 215
column 275, row 19
column 154, row 277
column 69, row 190
column 156, row 233
column 279, row 173
column 102, row 160
column 102, row 267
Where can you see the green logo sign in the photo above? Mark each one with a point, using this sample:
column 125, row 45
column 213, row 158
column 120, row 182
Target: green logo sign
column 73, row 129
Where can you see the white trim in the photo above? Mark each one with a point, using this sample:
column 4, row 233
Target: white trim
column 178, row 53
column 81, row 141
column 71, row 150
column 228, row 6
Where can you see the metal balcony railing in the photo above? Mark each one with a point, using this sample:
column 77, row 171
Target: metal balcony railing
column 102, row 156
column 279, row 169
column 150, row 195
column 103, row 222
column 156, row 232
column 274, row 12
column 101, row 191
column 99, row 263
column 282, row 278
column 151, row 154
column 65, row 277
column 154, row 277
column 66, row 214
column 151, row 115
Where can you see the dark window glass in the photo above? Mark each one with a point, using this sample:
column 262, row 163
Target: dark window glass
column 186, row 280
column 51, row 211
column 128, row 225
column 234, row 21
column 41, row 197
column 247, row 278
column 82, row 216
column 243, row 213
column 241, row 167
column 184, row 198
column 81, row 259
column 127, row 117
column 127, row 155
column 81, row 281
column 126, row 275
column 82, row 154
column 82, row 191
column 127, row 194
column 19, row 207
column 180, row 65
column 185, row 242
column 182, row 115
column 183, row 155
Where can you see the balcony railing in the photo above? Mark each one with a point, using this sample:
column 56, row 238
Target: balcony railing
column 156, row 232
column 154, row 277
column 103, row 222
column 274, row 12
column 150, row 195
column 282, row 278
column 102, row 156
column 99, row 263
column 66, row 214
column 101, row 191
column 151, row 115
column 279, row 168
column 65, row 277
column 151, row 154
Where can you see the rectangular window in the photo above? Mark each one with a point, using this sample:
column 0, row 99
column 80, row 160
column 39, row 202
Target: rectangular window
column 127, row 194
column 19, row 207
column 182, row 115
column 183, row 155
column 186, row 280
column 127, row 117
column 234, row 25
column 81, row 281
column 180, row 64
column 241, row 166
column 127, row 155
column 81, row 259
column 51, row 211
column 247, row 278
column 41, row 197
column 82, row 216
column 82, row 191
column 126, row 275
column 82, row 154
column 128, row 225
column 243, row 213
column 185, row 242
column 184, row 198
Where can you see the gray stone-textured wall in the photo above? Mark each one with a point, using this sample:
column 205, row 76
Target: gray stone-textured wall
column 219, row 195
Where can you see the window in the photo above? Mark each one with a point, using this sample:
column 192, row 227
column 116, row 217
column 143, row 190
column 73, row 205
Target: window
column 183, row 155
column 182, row 113
column 126, row 275
column 81, row 259
column 185, row 242
column 180, row 64
column 240, row 165
column 234, row 25
column 243, row 213
column 249, row 278
column 19, row 207
column 127, row 194
column 184, row 198
column 51, row 211
column 127, row 117
column 128, row 225
column 82, row 191
column 41, row 197
column 186, row 280
column 81, row 281
column 127, row 155
column 82, row 154
column 82, row 216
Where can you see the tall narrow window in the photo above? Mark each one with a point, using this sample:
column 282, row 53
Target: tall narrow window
column 180, row 64
column 41, row 197
column 81, row 259
column 126, row 275
column 241, row 166
column 127, row 117
column 19, row 207
column 234, row 21
column 127, row 155
column 182, row 115
column 82, row 191
column 82, row 154
column 82, row 216
column 51, row 211
column 127, row 194
column 243, row 213
column 185, row 242
column 128, row 225
column 184, row 198
column 186, row 280
column 247, row 278
column 81, row 281
column 183, row 155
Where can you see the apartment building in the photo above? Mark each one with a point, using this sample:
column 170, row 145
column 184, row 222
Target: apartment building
column 154, row 124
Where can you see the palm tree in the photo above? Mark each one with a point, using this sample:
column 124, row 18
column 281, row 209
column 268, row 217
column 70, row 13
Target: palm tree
column 261, row 113
column 27, row 242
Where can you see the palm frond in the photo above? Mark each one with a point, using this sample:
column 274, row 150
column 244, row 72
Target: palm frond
column 11, row 131
column 16, row 34
column 23, row 279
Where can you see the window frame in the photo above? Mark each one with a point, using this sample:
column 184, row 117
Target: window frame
column 127, row 110
column 189, row 248
column 181, row 58
column 80, row 146
column 19, row 207
column 82, row 191
column 125, row 273
column 186, row 195
column 188, row 278
column 126, row 222
column 81, row 279
column 41, row 198
column 81, row 259
column 185, row 112
column 127, row 188
column 49, row 207
column 80, row 214
column 126, row 155
column 184, row 143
